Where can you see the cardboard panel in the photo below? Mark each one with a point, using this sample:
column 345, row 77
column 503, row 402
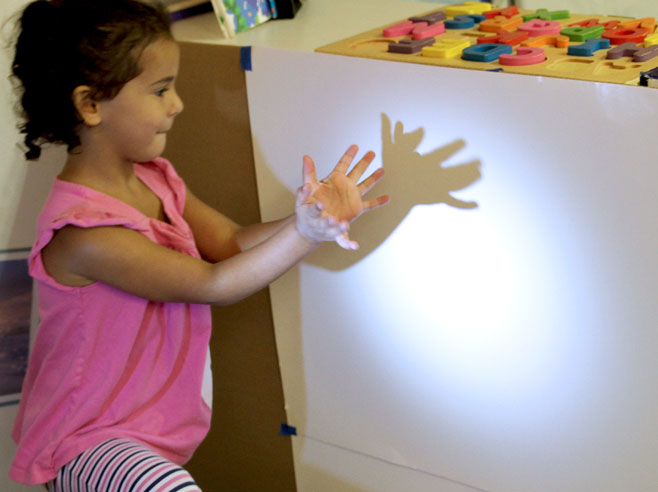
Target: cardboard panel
column 210, row 146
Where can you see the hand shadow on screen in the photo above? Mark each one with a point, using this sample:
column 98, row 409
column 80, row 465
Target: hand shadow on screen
column 410, row 179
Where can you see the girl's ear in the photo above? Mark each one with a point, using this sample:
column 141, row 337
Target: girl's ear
column 88, row 109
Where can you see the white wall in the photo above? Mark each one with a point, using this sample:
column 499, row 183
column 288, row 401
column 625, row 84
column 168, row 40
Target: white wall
column 23, row 188
column 629, row 8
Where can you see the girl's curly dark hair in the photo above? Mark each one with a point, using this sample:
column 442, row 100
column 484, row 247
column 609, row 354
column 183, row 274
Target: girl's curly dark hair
column 63, row 44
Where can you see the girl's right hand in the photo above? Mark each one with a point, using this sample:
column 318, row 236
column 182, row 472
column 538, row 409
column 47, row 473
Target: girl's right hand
column 326, row 208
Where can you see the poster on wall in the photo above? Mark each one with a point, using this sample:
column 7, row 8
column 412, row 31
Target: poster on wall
column 236, row 16
column 15, row 316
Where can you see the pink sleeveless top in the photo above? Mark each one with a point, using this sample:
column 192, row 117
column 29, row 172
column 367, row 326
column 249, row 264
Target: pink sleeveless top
column 106, row 363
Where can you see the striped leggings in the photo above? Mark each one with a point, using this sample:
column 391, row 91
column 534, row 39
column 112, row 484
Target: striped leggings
column 121, row 465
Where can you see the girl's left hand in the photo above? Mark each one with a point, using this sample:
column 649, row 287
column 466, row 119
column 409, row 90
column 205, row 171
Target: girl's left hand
column 337, row 199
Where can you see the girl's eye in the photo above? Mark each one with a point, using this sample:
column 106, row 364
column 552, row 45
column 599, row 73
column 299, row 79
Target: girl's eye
column 161, row 92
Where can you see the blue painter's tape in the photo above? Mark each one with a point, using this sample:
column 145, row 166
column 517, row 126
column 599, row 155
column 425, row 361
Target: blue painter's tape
column 245, row 58
column 275, row 13
column 288, row 430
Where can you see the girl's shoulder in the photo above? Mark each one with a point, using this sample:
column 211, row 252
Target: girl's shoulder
column 162, row 168
column 70, row 200
column 161, row 176
column 76, row 203
column 72, row 204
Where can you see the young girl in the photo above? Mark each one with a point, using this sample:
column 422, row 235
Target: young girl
column 127, row 259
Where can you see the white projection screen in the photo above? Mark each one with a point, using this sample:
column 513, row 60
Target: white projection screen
column 498, row 329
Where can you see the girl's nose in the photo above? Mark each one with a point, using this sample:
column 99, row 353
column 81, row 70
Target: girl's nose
column 176, row 104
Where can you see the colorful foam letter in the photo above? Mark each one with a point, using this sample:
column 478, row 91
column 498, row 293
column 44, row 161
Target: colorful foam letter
column 465, row 21
column 621, row 35
column 408, row 46
column 645, row 54
column 422, row 30
column 589, row 47
column 525, row 55
column 581, row 33
column 648, row 23
column 506, row 12
column 486, row 52
column 540, row 27
column 468, row 8
column 431, row 18
column 586, row 23
column 400, row 29
column 651, row 40
column 626, row 49
column 500, row 23
column 446, row 48
column 558, row 41
column 505, row 37
column 544, row 14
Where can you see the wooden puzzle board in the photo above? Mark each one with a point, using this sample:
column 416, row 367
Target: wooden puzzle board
column 558, row 63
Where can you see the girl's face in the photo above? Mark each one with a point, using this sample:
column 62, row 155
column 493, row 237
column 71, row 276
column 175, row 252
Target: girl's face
column 134, row 124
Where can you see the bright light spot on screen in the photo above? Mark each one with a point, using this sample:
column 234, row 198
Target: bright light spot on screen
column 483, row 309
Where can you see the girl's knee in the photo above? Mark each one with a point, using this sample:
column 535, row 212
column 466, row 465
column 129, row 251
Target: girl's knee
column 176, row 480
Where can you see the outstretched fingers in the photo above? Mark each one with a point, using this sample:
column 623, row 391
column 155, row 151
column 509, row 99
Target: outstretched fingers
column 345, row 242
column 361, row 166
column 375, row 202
column 326, row 208
column 308, row 170
column 347, row 158
column 365, row 185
